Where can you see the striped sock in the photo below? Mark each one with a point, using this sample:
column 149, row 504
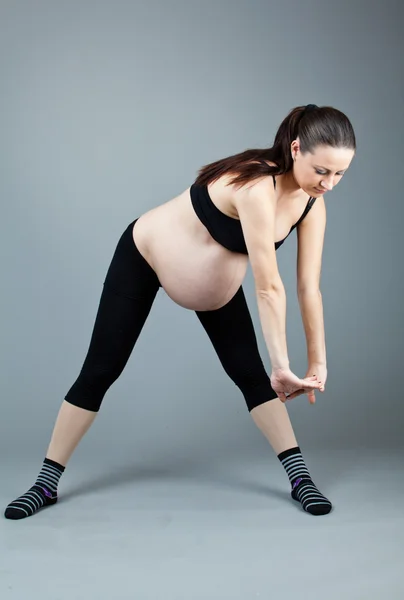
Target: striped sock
column 42, row 493
column 303, row 488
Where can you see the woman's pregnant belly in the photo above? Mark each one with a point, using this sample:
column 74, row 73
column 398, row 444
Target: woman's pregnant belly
column 194, row 270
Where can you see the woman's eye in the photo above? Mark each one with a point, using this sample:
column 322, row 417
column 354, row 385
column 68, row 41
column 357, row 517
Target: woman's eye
column 322, row 173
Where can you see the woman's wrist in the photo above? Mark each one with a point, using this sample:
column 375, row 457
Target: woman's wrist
column 282, row 367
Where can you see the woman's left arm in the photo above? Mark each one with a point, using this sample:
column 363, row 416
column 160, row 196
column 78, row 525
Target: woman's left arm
column 311, row 308
column 310, row 236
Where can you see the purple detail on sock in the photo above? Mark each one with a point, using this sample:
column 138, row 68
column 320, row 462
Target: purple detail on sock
column 46, row 492
column 297, row 482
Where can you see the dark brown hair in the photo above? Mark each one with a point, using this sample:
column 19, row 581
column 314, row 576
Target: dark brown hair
column 314, row 125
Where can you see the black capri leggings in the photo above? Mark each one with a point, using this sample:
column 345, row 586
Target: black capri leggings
column 129, row 290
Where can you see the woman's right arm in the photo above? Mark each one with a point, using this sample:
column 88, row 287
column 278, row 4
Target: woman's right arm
column 272, row 313
column 256, row 207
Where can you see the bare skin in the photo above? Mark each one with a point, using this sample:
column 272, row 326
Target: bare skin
column 71, row 424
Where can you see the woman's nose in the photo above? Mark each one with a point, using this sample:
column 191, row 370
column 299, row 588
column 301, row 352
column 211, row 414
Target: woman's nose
column 327, row 184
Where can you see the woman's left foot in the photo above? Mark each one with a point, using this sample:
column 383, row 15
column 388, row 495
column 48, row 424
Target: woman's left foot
column 303, row 488
column 305, row 492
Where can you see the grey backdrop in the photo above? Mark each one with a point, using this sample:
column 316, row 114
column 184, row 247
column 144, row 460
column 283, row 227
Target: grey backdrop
column 108, row 109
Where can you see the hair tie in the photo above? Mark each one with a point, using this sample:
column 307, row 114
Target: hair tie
column 309, row 108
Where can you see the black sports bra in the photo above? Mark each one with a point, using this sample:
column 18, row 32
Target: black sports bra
column 224, row 229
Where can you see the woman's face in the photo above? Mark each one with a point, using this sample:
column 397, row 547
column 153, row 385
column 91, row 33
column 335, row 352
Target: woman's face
column 319, row 172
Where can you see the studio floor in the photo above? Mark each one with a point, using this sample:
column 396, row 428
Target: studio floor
column 229, row 530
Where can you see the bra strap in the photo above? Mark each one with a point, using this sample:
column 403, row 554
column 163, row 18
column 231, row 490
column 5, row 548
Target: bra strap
column 309, row 204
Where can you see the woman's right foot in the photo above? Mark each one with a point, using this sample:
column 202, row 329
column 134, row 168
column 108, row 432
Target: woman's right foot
column 29, row 503
column 42, row 493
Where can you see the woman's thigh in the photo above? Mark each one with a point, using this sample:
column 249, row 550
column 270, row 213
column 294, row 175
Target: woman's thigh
column 232, row 334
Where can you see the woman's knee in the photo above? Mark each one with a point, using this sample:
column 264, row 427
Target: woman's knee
column 256, row 388
column 89, row 389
